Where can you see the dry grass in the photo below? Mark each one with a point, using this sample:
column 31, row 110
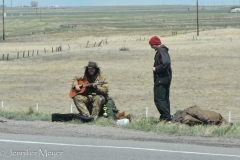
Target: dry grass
column 205, row 72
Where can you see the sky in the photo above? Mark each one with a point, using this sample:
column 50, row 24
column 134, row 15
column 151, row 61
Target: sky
column 118, row 2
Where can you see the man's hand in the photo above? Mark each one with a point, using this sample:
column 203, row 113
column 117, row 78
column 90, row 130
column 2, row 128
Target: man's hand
column 154, row 69
column 94, row 85
column 77, row 88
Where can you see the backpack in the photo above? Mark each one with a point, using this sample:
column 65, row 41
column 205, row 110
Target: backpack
column 112, row 111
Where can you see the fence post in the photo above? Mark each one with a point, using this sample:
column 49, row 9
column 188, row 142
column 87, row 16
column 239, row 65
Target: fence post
column 28, row 53
column 100, row 42
column 3, row 57
column 7, row 56
column 52, row 49
column 229, row 116
column 17, row 55
column 23, row 54
column 146, row 112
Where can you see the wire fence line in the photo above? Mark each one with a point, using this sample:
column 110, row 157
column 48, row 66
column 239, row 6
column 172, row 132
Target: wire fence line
column 31, row 53
column 88, row 44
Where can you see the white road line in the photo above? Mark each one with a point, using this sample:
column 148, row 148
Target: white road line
column 115, row 147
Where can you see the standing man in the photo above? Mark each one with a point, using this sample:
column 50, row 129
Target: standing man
column 162, row 74
column 96, row 94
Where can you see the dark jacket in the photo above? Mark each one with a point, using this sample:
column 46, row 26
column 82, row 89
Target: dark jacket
column 162, row 63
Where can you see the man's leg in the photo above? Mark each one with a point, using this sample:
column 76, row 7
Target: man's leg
column 98, row 101
column 168, row 98
column 160, row 92
column 80, row 102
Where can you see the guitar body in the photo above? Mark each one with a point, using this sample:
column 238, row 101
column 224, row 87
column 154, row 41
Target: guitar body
column 84, row 90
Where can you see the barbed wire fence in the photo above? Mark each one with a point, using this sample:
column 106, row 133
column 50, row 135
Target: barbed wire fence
column 47, row 50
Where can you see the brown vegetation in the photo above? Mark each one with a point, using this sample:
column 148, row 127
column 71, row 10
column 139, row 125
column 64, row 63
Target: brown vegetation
column 205, row 72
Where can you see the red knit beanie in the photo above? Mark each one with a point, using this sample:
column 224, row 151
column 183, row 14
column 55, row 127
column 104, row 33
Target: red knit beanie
column 155, row 40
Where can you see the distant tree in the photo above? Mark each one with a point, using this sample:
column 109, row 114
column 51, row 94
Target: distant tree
column 34, row 3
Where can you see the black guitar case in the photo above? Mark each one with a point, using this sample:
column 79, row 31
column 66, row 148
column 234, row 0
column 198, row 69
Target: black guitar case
column 58, row 117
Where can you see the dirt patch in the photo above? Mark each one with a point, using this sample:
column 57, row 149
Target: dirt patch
column 112, row 132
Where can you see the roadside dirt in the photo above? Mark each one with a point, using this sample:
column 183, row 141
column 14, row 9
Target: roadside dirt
column 113, row 132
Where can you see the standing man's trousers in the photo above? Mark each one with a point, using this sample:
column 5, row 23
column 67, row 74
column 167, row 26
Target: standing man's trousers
column 161, row 99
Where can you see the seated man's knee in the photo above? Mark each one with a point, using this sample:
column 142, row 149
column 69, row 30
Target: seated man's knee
column 99, row 99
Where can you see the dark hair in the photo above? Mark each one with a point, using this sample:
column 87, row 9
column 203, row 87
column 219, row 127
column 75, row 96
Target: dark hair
column 88, row 76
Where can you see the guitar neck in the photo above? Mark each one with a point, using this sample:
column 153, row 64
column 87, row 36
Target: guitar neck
column 90, row 84
column 87, row 85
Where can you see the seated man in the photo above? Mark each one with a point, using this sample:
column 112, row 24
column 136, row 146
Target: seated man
column 195, row 115
column 89, row 91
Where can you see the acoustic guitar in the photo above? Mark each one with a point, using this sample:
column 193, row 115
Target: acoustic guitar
column 84, row 88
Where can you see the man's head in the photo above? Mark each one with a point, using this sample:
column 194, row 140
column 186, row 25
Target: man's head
column 155, row 42
column 92, row 67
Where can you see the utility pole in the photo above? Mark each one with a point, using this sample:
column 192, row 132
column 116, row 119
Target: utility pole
column 11, row 9
column 3, row 22
column 197, row 20
column 40, row 14
column 163, row 11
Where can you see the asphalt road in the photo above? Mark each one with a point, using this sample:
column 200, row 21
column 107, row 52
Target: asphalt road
column 28, row 147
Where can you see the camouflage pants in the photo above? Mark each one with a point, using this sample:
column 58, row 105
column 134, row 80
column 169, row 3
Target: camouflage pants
column 81, row 102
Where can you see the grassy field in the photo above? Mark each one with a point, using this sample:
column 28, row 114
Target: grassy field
column 205, row 71
column 115, row 20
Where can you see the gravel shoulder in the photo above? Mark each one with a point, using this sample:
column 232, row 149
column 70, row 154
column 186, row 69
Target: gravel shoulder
column 112, row 132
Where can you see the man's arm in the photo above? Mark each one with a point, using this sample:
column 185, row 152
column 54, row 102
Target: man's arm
column 165, row 61
column 75, row 80
column 102, row 89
